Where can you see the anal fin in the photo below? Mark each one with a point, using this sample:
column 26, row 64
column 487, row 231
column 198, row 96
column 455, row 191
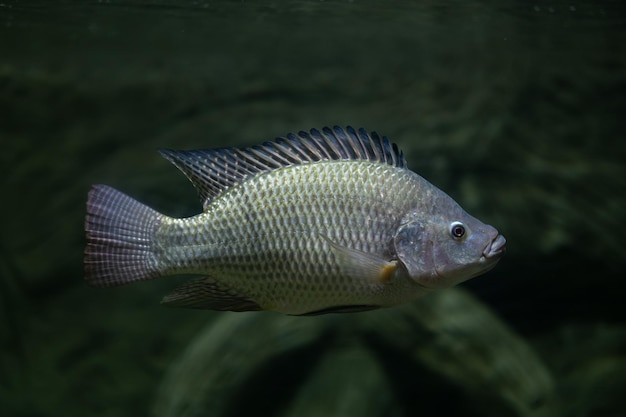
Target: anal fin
column 208, row 294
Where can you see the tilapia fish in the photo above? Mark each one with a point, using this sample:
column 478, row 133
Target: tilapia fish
column 318, row 222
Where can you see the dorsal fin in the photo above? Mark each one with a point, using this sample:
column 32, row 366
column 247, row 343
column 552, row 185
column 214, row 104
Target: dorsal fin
column 214, row 170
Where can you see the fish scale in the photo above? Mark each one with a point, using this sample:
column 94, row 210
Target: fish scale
column 284, row 234
column 326, row 221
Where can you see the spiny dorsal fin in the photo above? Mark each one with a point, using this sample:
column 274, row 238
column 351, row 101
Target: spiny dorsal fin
column 214, row 170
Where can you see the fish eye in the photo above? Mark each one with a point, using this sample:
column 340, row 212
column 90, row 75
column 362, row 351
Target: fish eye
column 457, row 230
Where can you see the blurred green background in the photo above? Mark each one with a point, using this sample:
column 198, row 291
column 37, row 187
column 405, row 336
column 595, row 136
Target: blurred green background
column 515, row 108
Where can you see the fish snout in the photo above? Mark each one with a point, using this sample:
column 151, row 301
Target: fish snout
column 495, row 248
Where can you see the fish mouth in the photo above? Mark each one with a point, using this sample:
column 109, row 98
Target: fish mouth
column 489, row 258
column 496, row 248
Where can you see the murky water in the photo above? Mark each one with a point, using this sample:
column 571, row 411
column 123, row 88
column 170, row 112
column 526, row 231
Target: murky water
column 515, row 108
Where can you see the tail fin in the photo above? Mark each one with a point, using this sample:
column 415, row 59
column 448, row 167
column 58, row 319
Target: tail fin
column 120, row 234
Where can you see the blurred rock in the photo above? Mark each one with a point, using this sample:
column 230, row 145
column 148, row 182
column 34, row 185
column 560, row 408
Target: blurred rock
column 352, row 364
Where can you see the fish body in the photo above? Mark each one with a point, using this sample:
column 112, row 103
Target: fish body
column 324, row 221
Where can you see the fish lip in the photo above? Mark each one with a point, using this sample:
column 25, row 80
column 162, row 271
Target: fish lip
column 495, row 248
column 488, row 259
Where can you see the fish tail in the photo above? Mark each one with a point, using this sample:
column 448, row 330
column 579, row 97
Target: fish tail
column 120, row 237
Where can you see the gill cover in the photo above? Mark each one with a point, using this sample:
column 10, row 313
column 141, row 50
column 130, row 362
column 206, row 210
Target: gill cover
column 412, row 250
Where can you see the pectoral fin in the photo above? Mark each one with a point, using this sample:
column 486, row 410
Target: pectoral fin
column 207, row 293
column 363, row 265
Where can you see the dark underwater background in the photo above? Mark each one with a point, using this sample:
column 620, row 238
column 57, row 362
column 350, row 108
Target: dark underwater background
column 514, row 108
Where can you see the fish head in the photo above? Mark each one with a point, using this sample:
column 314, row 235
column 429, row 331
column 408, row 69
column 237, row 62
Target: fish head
column 442, row 250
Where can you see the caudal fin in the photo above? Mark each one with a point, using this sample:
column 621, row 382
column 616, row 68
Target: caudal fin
column 120, row 235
